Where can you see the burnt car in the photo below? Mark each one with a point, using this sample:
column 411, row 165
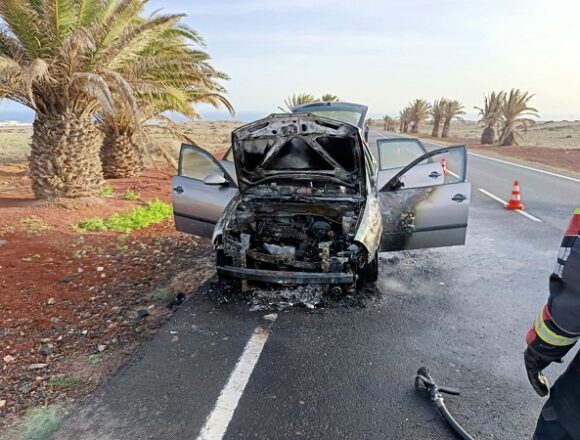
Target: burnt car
column 300, row 199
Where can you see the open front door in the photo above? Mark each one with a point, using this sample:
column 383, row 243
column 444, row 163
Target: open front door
column 426, row 203
column 201, row 191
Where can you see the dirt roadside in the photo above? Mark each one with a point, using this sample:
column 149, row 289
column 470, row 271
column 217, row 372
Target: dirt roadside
column 74, row 306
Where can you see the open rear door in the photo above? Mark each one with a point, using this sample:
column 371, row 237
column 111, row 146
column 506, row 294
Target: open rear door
column 201, row 191
column 426, row 203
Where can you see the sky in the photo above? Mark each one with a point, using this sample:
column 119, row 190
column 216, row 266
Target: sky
column 386, row 53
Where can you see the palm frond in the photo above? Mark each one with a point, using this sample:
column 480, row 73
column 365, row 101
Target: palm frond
column 24, row 23
column 95, row 86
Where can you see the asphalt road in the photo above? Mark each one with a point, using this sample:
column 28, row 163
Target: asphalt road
column 346, row 373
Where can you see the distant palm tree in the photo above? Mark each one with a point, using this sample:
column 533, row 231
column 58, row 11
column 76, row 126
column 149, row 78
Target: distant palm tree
column 327, row 97
column 419, row 112
column 515, row 112
column 388, row 123
column 452, row 110
column 437, row 115
column 490, row 115
column 296, row 100
column 405, row 118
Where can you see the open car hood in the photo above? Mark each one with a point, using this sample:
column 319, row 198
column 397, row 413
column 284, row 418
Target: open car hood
column 298, row 147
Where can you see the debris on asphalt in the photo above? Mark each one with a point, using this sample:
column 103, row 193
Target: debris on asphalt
column 279, row 299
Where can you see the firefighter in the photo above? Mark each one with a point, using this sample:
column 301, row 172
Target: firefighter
column 554, row 333
column 367, row 129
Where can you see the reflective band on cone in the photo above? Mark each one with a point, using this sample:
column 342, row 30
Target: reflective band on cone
column 515, row 201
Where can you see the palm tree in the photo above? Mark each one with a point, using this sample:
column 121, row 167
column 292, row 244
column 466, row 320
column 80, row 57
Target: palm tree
column 296, row 100
column 388, row 123
column 62, row 59
column 187, row 79
column 419, row 112
column 490, row 115
column 327, row 97
column 515, row 112
column 437, row 115
column 452, row 110
column 405, row 118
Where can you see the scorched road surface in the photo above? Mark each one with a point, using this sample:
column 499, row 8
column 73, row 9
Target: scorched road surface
column 346, row 373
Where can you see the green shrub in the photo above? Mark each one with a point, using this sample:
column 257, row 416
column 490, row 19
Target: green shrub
column 91, row 224
column 38, row 423
column 107, row 191
column 163, row 295
column 140, row 218
column 95, row 359
column 132, row 196
column 64, row 382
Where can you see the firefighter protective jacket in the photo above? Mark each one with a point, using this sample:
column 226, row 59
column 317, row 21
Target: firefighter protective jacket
column 557, row 327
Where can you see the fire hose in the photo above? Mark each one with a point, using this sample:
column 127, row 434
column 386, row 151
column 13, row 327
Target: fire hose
column 425, row 383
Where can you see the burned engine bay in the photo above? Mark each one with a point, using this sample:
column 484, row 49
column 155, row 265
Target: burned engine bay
column 296, row 233
column 302, row 195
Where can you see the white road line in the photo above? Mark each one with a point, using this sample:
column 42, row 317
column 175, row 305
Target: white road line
column 217, row 422
column 503, row 202
column 526, row 167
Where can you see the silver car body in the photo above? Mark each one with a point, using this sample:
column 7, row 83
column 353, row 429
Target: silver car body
column 304, row 201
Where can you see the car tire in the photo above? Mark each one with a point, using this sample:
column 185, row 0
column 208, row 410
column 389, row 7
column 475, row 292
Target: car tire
column 369, row 273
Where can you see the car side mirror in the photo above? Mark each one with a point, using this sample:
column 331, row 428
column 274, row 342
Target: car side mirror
column 216, row 179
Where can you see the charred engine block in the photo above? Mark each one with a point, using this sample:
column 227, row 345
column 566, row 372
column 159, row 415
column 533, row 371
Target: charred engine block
column 298, row 237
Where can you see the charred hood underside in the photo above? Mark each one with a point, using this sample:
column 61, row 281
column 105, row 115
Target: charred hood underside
column 303, row 146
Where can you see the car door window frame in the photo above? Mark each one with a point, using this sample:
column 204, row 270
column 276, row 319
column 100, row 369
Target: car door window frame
column 394, row 140
column 395, row 182
column 207, row 155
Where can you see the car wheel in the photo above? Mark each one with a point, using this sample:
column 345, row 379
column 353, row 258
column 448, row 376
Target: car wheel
column 369, row 273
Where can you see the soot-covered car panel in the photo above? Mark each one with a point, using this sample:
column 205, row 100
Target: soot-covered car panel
column 304, row 203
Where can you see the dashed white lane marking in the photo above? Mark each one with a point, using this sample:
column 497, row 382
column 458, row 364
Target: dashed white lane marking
column 217, row 422
column 503, row 202
column 526, row 167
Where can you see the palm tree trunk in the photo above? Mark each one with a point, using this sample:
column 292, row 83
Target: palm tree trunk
column 508, row 138
column 415, row 128
column 64, row 157
column 446, row 128
column 488, row 136
column 122, row 158
column 436, row 125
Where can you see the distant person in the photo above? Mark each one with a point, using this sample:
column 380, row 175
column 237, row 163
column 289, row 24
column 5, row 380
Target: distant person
column 555, row 332
column 367, row 129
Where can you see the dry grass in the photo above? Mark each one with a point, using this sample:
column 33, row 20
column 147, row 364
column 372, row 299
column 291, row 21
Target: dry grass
column 211, row 135
column 14, row 143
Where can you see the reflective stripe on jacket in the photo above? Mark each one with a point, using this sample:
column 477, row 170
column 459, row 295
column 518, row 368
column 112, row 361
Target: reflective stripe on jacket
column 557, row 327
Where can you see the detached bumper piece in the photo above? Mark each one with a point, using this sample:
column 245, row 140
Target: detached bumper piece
column 285, row 277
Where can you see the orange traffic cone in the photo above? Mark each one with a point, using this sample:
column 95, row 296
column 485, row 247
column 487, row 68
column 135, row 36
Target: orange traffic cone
column 444, row 166
column 515, row 201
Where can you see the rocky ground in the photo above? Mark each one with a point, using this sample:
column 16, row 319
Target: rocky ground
column 75, row 306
